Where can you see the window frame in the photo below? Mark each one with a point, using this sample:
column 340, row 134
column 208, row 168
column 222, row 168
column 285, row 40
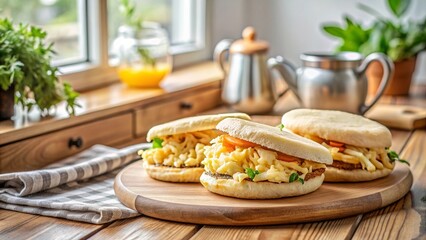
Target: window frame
column 98, row 72
column 83, row 15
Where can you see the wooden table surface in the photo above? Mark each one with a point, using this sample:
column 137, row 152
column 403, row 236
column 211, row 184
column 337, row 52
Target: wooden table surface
column 404, row 219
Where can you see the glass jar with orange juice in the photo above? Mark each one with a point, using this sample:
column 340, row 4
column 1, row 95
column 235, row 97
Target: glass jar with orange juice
column 144, row 55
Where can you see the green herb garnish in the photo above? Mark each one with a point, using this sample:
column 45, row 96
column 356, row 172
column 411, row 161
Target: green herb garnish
column 393, row 156
column 157, row 143
column 252, row 173
column 295, row 177
column 281, row 126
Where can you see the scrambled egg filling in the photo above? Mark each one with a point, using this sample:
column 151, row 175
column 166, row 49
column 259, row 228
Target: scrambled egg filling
column 220, row 159
column 180, row 150
column 371, row 159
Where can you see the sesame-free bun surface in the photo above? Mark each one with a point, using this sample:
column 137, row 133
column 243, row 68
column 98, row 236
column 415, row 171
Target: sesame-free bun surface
column 333, row 174
column 338, row 126
column 170, row 174
column 272, row 138
column 259, row 190
column 191, row 124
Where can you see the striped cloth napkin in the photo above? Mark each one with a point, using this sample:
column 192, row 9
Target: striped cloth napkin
column 79, row 188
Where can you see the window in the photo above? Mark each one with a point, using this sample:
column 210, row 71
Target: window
column 179, row 18
column 63, row 20
column 82, row 31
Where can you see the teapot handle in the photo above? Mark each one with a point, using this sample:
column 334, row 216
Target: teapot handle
column 219, row 53
column 287, row 71
column 388, row 68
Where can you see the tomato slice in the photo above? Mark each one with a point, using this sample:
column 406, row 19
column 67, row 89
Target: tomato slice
column 336, row 144
column 228, row 147
column 339, row 145
column 232, row 141
column 286, row 158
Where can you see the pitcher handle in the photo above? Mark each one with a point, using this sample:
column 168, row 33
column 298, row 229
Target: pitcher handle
column 287, row 71
column 219, row 53
column 388, row 68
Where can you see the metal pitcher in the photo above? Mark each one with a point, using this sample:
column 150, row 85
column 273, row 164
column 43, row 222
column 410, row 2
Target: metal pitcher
column 248, row 85
column 333, row 81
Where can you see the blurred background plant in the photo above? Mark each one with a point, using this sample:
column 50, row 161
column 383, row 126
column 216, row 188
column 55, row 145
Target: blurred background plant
column 398, row 38
column 132, row 19
column 142, row 48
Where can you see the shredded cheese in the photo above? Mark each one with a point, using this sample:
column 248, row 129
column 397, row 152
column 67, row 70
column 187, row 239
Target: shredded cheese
column 367, row 157
column 219, row 160
column 180, row 150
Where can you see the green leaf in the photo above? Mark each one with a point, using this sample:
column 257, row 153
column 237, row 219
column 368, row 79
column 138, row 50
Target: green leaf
column 396, row 49
column 157, row 143
column 349, row 21
column 404, row 161
column 398, row 7
column 301, row 180
column 251, row 173
column 293, row 177
column 146, row 57
column 353, row 35
column 349, row 46
column 393, row 156
column 355, row 32
column 371, row 11
column 281, row 126
column 334, row 31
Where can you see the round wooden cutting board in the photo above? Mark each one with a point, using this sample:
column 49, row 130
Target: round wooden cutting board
column 192, row 203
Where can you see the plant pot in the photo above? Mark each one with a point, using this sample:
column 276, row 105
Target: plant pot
column 400, row 82
column 7, row 103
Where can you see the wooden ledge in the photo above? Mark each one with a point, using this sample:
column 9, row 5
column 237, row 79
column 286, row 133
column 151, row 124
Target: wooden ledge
column 111, row 100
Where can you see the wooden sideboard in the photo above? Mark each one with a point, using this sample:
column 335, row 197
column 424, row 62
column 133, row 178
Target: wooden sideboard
column 112, row 116
column 404, row 219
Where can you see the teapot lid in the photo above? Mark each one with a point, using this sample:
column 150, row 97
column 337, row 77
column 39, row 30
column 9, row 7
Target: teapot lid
column 249, row 45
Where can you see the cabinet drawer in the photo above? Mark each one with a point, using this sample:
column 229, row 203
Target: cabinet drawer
column 36, row 152
column 178, row 108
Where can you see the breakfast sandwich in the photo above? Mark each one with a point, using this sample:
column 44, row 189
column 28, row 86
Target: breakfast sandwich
column 359, row 146
column 255, row 161
column 178, row 147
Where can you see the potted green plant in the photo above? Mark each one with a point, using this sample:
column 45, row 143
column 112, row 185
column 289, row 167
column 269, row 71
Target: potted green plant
column 27, row 77
column 398, row 38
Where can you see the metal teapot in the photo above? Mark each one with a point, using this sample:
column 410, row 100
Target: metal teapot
column 333, row 81
column 248, row 85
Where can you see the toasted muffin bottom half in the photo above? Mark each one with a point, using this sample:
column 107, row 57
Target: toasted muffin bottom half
column 259, row 190
column 333, row 174
column 173, row 174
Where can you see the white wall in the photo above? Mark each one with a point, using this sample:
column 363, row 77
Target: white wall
column 228, row 19
column 294, row 26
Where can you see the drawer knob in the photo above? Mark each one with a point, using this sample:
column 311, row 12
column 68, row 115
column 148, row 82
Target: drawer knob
column 185, row 105
column 77, row 142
